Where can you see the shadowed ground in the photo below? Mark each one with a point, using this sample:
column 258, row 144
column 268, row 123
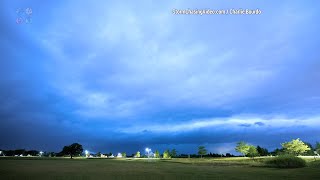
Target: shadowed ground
column 220, row 168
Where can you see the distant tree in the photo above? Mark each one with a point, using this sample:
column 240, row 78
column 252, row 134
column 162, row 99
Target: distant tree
column 32, row 152
column 262, row 151
column 317, row 148
column 72, row 150
column 252, row 152
column 157, row 154
column 166, row 154
column 20, row 151
column 309, row 152
column 66, row 151
column 242, row 148
column 202, row 151
column 229, row 155
column 137, row 154
column 278, row 152
column 124, row 154
column 98, row 154
column 295, row 147
column 9, row 153
column 173, row 153
column 51, row 154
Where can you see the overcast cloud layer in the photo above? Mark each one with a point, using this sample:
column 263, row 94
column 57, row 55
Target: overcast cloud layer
column 121, row 76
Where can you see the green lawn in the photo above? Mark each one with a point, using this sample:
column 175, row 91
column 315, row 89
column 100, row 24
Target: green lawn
column 184, row 169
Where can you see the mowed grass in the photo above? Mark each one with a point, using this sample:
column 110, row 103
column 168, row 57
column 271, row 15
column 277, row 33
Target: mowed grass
column 184, row 169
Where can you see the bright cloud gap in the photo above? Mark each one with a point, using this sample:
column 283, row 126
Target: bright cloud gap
column 234, row 123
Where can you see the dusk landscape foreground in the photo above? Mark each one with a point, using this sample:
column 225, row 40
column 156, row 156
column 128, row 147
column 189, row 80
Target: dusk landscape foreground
column 182, row 169
column 171, row 89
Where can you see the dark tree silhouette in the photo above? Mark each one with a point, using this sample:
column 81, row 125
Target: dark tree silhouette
column 72, row 150
column 173, row 153
column 262, row 151
column 202, row 151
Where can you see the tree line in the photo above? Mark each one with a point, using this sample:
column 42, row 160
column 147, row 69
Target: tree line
column 294, row 147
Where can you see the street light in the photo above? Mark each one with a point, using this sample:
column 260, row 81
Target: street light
column 148, row 151
column 87, row 153
column 0, row 152
column 41, row 153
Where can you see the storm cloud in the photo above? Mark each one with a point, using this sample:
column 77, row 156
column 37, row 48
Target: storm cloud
column 117, row 76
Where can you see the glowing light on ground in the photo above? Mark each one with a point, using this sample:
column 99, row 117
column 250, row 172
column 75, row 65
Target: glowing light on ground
column 148, row 150
column 87, row 153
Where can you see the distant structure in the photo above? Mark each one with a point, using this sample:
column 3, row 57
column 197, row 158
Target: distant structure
column 103, row 156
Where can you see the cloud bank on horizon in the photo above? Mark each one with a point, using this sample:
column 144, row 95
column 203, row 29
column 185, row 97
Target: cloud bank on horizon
column 124, row 75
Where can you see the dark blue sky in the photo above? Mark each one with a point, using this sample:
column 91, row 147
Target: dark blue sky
column 122, row 76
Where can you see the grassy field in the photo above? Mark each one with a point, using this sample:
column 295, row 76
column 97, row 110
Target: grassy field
column 184, row 169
